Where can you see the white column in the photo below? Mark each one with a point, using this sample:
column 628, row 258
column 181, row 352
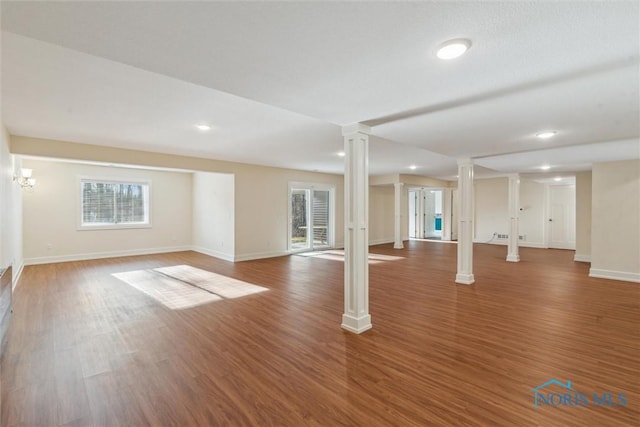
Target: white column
column 356, row 316
column 397, row 224
column 446, row 214
column 465, row 222
column 514, row 208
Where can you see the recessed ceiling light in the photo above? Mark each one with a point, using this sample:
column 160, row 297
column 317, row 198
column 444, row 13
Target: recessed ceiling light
column 453, row 48
column 546, row 134
column 545, row 167
column 413, row 167
column 342, row 153
column 203, row 126
column 557, row 178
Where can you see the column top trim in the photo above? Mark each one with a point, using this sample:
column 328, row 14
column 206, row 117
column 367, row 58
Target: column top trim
column 465, row 162
column 355, row 128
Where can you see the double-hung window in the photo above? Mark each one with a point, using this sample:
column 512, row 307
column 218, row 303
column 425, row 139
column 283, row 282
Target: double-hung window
column 114, row 204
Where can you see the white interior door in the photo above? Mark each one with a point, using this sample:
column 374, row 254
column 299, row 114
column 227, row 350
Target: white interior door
column 562, row 216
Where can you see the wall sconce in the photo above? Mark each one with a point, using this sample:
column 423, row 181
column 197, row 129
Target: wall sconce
column 24, row 179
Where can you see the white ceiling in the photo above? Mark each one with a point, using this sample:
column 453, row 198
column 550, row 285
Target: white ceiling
column 277, row 80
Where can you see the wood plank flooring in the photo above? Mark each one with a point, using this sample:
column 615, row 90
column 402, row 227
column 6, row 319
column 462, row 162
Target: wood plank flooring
column 86, row 349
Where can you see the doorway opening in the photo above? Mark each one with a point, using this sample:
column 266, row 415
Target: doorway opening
column 433, row 214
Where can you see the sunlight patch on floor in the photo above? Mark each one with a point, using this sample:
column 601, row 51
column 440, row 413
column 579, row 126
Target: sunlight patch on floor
column 226, row 287
column 338, row 255
column 182, row 286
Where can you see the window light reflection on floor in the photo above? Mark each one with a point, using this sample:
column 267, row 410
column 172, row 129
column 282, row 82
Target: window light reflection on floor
column 182, row 286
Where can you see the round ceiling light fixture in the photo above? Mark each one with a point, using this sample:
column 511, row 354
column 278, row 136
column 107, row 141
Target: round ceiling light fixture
column 557, row 179
column 341, row 154
column 413, row 167
column 545, row 167
column 453, row 48
column 546, row 134
column 203, row 127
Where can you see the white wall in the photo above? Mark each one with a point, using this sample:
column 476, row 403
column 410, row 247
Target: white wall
column 214, row 214
column 10, row 210
column 381, row 214
column 492, row 213
column 615, row 220
column 51, row 214
column 583, row 216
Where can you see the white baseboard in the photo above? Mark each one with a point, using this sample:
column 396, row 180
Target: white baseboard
column 626, row 276
column 532, row 245
column 505, row 243
column 215, row 254
column 380, row 241
column 16, row 276
column 259, row 255
column 99, row 255
column 582, row 258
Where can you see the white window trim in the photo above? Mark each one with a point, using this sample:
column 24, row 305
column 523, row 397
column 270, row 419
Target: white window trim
column 111, row 180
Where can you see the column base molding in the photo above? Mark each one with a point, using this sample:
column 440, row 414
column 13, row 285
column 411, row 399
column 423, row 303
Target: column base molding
column 465, row 279
column 357, row 325
column 398, row 246
column 513, row 258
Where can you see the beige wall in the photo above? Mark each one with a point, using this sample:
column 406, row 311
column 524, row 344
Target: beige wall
column 260, row 193
column 52, row 211
column 262, row 200
column 381, row 214
column 583, row 216
column 10, row 209
column 492, row 213
column 532, row 217
column 214, row 214
column 491, row 208
column 615, row 220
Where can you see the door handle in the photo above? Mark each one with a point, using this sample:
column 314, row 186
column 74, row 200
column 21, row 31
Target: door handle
column 550, row 220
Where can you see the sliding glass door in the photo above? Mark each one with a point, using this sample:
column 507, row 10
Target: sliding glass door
column 311, row 214
column 300, row 239
column 320, row 218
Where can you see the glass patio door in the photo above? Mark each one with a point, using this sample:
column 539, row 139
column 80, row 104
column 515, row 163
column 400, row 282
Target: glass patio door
column 300, row 220
column 320, row 219
column 310, row 218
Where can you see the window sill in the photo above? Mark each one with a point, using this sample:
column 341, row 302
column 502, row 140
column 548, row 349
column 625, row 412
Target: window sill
column 112, row 227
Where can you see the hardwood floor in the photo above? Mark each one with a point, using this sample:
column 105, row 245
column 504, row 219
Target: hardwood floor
column 87, row 349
